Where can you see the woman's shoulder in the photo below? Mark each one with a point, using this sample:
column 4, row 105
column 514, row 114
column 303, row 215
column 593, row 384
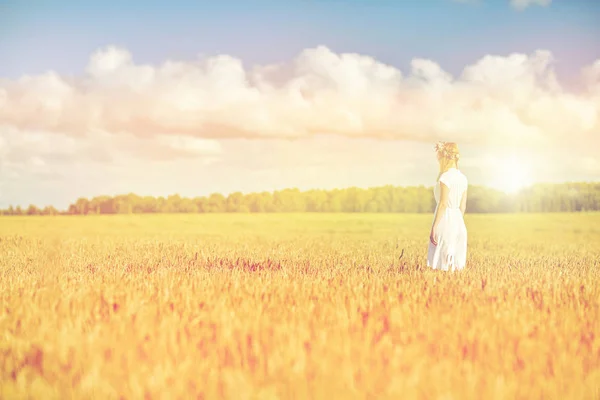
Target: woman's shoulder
column 454, row 175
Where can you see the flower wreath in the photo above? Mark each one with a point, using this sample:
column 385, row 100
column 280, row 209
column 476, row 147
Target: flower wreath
column 440, row 148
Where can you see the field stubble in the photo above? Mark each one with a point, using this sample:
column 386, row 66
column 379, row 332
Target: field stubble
column 297, row 306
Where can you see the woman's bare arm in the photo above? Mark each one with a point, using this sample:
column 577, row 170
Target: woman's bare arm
column 441, row 208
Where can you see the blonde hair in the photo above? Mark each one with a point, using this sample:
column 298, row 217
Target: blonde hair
column 448, row 154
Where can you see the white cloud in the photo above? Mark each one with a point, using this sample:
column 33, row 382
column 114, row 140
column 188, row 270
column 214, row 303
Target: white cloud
column 120, row 117
column 523, row 4
column 591, row 77
column 49, row 155
column 514, row 99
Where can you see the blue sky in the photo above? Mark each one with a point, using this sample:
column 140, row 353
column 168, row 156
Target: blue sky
column 59, row 35
column 137, row 126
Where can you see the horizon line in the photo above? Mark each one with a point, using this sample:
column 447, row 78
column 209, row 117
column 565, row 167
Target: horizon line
column 271, row 192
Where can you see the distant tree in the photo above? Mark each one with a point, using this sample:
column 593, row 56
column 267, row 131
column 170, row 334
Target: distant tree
column 570, row 197
column 216, row 203
column 187, row 206
column 315, row 200
column 49, row 210
column 81, row 206
column 32, row 210
column 234, row 202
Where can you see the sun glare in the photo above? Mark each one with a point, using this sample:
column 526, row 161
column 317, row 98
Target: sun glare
column 512, row 175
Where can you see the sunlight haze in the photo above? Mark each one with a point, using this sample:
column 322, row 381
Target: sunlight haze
column 161, row 99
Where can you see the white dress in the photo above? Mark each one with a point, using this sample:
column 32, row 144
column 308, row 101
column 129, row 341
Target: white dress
column 451, row 250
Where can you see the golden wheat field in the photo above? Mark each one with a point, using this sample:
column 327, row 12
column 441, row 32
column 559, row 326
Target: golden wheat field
column 277, row 306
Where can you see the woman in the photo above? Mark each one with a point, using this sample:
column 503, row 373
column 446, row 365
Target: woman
column 448, row 237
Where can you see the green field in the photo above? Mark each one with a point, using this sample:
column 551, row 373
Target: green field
column 268, row 306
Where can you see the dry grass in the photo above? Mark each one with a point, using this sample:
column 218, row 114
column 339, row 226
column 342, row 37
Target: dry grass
column 297, row 306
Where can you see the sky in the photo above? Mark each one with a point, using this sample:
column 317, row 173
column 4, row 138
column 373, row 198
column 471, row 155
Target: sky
column 197, row 97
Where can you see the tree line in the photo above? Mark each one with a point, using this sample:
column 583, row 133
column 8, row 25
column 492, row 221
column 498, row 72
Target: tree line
column 565, row 197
